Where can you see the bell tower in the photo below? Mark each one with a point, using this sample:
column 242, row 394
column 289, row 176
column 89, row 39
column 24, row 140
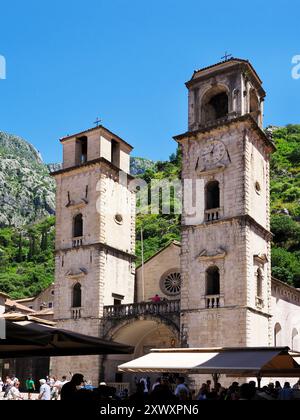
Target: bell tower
column 95, row 237
column 225, row 258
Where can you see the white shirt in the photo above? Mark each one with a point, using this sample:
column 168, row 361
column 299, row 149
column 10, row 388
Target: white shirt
column 45, row 392
column 14, row 394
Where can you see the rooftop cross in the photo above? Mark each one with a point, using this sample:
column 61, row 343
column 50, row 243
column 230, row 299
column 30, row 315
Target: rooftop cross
column 97, row 122
column 226, row 56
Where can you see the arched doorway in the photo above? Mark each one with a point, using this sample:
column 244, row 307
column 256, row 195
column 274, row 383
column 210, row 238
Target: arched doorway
column 143, row 335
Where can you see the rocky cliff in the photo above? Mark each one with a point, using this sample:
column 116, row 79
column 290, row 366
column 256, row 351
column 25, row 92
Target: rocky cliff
column 27, row 192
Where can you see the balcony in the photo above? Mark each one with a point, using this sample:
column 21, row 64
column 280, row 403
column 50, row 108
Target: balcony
column 214, row 301
column 212, row 214
column 143, row 308
column 76, row 313
column 78, row 241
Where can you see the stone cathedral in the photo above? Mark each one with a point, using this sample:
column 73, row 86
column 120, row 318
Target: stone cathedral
column 216, row 285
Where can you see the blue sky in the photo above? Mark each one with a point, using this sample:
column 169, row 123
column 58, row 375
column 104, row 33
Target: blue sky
column 127, row 61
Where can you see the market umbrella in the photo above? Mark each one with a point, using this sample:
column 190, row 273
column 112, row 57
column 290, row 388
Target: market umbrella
column 27, row 337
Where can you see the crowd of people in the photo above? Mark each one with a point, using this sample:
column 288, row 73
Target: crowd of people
column 48, row 389
column 168, row 388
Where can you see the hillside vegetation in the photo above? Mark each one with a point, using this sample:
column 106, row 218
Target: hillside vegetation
column 26, row 253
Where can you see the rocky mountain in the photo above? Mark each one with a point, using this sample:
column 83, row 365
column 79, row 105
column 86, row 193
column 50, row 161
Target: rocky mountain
column 27, row 192
column 138, row 166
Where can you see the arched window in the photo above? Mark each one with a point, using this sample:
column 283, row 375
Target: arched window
column 254, row 105
column 81, row 149
column 77, row 226
column 212, row 281
column 259, row 283
column 295, row 339
column 214, row 105
column 277, row 334
column 76, row 298
column 212, row 195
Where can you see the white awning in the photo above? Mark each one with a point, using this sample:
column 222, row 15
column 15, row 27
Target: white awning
column 258, row 361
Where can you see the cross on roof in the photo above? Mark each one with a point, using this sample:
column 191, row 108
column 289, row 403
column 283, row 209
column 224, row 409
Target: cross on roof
column 97, row 122
column 226, row 56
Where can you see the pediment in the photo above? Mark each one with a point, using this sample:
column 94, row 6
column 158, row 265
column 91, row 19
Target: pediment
column 81, row 272
column 212, row 255
column 73, row 203
column 260, row 258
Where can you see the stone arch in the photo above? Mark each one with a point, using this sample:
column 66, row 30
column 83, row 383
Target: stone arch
column 149, row 320
column 277, row 335
column 143, row 334
column 214, row 104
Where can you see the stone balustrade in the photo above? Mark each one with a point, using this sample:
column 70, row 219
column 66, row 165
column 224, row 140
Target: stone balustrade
column 76, row 242
column 212, row 214
column 76, row 313
column 213, row 301
column 143, row 308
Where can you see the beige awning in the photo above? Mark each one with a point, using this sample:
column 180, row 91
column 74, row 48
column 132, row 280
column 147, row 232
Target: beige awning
column 250, row 361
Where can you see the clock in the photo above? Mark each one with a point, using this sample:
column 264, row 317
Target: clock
column 213, row 152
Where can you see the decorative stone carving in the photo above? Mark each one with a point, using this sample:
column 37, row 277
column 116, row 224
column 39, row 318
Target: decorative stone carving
column 214, row 255
column 260, row 259
column 75, row 274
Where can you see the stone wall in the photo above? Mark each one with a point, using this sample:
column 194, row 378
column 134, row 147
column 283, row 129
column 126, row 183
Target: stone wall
column 154, row 270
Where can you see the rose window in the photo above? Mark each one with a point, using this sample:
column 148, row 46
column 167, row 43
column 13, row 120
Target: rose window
column 171, row 284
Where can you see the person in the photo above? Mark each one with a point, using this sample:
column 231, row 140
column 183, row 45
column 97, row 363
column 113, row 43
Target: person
column 88, row 385
column 45, row 391
column 203, row 392
column 14, row 379
column 1, row 384
column 297, row 385
column 30, row 386
column 155, row 299
column 69, row 390
column 6, row 387
column 14, row 392
column 145, row 384
column 286, row 393
column 156, row 383
column 55, row 389
column 181, row 388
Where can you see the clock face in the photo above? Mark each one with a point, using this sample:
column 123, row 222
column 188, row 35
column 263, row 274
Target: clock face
column 213, row 152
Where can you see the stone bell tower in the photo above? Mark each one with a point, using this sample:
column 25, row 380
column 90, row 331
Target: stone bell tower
column 95, row 237
column 225, row 259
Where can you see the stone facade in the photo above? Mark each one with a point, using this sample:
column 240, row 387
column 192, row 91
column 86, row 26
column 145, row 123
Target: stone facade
column 230, row 153
column 150, row 278
column 94, row 238
column 216, row 287
column 43, row 300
